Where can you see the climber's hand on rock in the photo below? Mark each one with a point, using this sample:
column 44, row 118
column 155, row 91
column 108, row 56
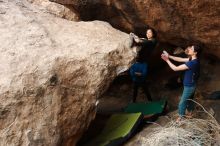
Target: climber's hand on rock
column 136, row 38
column 131, row 33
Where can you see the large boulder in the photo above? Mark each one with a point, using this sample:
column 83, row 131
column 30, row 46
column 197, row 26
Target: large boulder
column 52, row 71
column 59, row 10
column 177, row 22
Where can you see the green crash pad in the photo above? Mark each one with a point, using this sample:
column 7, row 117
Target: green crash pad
column 147, row 109
column 118, row 129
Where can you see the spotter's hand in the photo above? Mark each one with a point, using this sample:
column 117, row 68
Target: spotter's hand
column 164, row 57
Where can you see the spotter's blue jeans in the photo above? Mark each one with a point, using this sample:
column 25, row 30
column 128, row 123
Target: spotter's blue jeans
column 188, row 93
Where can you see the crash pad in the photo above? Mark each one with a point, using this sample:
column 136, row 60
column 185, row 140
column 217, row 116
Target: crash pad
column 150, row 108
column 117, row 130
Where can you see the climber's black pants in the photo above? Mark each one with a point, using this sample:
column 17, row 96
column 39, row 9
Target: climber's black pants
column 144, row 86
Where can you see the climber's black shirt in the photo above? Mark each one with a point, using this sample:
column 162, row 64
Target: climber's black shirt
column 147, row 47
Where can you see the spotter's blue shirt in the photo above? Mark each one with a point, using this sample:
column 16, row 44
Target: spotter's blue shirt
column 192, row 74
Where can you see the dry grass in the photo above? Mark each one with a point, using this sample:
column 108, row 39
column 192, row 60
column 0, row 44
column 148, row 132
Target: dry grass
column 188, row 132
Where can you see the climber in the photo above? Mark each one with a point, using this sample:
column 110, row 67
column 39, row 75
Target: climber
column 191, row 67
column 138, row 72
column 146, row 45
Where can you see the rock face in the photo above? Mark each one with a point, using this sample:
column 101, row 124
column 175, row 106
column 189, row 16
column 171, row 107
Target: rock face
column 177, row 22
column 57, row 9
column 52, row 71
